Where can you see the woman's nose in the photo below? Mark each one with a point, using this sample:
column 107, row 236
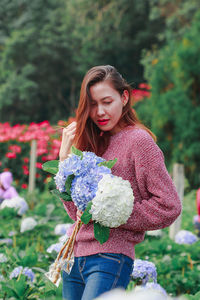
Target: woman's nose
column 100, row 110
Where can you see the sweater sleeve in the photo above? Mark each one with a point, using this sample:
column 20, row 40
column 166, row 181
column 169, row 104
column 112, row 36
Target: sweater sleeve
column 70, row 208
column 162, row 205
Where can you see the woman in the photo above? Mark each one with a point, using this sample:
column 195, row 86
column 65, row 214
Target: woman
column 107, row 125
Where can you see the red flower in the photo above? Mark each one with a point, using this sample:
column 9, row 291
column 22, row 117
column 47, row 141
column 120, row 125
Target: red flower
column 0, row 163
column 44, row 123
column 62, row 123
column 38, row 165
column 24, row 186
column 139, row 95
column 44, row 158
column 25, row 168
column 144, row 86
column 11, row 155
column 26, row 160
column 15, row 148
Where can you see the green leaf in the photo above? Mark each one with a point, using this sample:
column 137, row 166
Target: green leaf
column 77, row 152
column 101, row 233
column 64, row 196
column 51, row 166
column 68, row 183
column 86, row 216
column 109, row 164
column 21, row 285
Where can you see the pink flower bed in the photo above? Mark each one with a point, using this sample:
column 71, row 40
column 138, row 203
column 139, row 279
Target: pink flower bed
column 15, row 149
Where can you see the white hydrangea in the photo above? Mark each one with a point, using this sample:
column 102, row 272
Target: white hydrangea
column 27, row 224
column 136, row 294
column 17, row 203
column 61, row 229
column 55, row 247
column 3, row 258
column 63, row 238
column 113, row 203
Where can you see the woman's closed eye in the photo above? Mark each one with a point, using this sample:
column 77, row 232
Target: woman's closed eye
column 108, row 102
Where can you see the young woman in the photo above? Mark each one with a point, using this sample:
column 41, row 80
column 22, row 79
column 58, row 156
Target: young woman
column 107, row 125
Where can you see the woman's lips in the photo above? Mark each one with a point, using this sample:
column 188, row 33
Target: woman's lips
column 103, row 122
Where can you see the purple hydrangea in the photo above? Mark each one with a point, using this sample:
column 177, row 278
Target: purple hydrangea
column 185, row 237
column 144, row 270
column 90, row 160
column 6, row 241
column 20, row 270
column 84, row 188
column 60, row 180
column 29, row 273
column 196, row 219
column 196, row 222
column 71, row 165
column 87, row 175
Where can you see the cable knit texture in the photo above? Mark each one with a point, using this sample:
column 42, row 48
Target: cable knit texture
column 156, row 203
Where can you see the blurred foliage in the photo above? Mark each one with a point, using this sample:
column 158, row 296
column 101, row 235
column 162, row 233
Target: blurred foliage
column 47, row 46
column 177, row 265
column 173, row 110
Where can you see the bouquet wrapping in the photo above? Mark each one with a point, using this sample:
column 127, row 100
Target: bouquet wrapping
column 103, row 198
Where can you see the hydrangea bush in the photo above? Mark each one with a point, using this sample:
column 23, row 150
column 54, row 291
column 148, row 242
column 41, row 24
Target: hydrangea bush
column 185, row 237
column 145, row 271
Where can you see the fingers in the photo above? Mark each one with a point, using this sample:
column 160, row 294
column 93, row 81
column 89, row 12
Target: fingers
column 69, row 130
column 67, row 140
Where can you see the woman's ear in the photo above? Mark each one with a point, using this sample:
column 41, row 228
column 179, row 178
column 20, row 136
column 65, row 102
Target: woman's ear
column 125, row 97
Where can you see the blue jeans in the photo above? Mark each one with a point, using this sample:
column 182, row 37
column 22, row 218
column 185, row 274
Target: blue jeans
column 95, row 274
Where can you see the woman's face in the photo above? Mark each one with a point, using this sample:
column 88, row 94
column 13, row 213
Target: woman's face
column 106, row 106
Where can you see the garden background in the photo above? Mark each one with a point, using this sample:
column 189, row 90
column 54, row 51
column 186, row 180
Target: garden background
column 45, row 49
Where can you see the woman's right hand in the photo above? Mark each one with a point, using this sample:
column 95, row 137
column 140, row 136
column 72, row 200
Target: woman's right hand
column 68, row 135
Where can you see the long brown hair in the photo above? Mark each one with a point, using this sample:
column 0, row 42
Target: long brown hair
column 88, row 136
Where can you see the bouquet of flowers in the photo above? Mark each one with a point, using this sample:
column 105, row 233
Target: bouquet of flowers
column 86, row 179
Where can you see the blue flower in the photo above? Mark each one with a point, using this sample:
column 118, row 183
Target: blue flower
column 77, row 166
column 87, row 175
column 71, row 165
column 185, row 237
column 144, row 270
column 26, row 271
column 83, row 190
column 90, row 160
column 29, row 273
column 60, row 180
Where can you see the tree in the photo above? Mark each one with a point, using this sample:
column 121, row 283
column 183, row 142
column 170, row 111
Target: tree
column 174, row 107
column 34, row 60
column 47, row 46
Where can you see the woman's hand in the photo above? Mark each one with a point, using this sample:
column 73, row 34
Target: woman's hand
column 68, row 135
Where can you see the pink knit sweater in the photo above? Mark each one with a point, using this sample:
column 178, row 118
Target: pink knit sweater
column 156, row 203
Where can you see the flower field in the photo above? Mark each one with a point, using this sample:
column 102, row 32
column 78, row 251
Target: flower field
column 15, row 149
